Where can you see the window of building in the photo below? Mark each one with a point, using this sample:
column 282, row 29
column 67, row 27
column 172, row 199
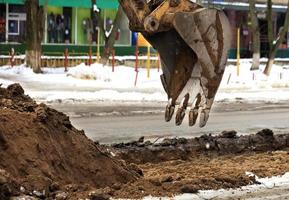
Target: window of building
column 16, row 23
column 59, row 25
column 13, row 27
column 2, row 22
column 64, row 25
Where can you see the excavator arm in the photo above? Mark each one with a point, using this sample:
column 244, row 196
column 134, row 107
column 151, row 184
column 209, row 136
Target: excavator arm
column 193, row 42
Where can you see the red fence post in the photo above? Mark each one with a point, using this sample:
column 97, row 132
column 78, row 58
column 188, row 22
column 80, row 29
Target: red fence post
column 65, row 59
column 90, row 56
column 12, row 57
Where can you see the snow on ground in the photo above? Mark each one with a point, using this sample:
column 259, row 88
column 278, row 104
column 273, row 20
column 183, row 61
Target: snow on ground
column 255, row 191
column 99, row 83
column 86, row 83
column 254, row 85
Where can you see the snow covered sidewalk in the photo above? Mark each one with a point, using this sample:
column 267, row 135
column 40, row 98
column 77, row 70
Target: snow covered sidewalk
column 83, row 83
column 99, row 83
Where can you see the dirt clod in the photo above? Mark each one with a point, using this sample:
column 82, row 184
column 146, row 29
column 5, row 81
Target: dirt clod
column 99, row 195
column 189, row 189
column 141, row 139
column 54, row 187
column 229, row 134
column 15, row 90
column 167, row 179
column 266, row 133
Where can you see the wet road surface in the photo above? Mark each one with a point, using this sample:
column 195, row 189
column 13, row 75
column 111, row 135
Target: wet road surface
column 115, row 123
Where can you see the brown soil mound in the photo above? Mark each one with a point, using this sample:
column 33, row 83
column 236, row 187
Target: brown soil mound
column 41, row 149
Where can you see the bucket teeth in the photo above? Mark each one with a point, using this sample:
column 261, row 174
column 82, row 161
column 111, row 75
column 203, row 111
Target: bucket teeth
column 193, row 43
column 193, row 116
column 204, row 118
column 182, row 110
column 169, row 112
column 180, row 116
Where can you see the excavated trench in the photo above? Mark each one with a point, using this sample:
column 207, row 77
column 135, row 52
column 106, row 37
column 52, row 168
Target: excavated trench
column 176, row 166
column 43, row 156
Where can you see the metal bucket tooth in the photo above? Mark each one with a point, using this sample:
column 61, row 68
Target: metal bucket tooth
column 204, row 117
column 182, row 110
column 193, row 116
column 180, row 116
column 169, row 112
column 194, row 112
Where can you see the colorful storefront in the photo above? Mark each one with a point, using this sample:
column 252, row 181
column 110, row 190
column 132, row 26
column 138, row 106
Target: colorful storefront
column 68, row 23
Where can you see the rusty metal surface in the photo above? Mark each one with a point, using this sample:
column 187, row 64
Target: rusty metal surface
column 177, row 59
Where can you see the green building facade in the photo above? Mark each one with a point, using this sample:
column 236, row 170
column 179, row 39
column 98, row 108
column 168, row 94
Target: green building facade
column 69, row 24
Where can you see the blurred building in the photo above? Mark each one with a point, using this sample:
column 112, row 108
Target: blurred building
column 238, row 14
column 70, row 23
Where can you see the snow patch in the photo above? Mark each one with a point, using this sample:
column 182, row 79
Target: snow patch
column 265, row 183
column 94, row 72
column 98, row 82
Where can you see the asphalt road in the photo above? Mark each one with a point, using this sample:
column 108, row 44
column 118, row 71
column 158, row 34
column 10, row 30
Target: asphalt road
column 115, row 123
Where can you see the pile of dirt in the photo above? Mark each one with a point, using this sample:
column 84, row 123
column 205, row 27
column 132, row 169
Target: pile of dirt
column 43, row 155
column 41, row 152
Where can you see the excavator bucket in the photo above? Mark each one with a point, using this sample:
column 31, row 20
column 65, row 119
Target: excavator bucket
column 193, row 43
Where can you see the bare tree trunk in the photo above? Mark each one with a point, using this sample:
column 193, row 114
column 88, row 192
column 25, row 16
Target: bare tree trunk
column 34, row 34
column 270, row 24
column 110, row 40
column 255, row 36
column 278, row 42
